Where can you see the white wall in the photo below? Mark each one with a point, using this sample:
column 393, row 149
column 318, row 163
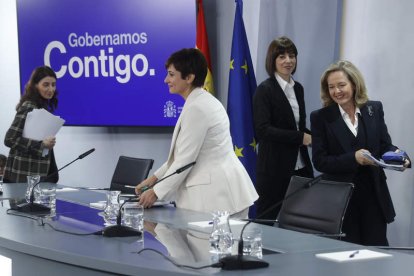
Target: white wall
column 9, row 67
column 378, row 38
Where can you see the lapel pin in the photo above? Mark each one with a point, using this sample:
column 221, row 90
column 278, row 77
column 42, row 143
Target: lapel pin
column 370, row 111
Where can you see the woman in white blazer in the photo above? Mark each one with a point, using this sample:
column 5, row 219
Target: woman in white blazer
column 218, row 181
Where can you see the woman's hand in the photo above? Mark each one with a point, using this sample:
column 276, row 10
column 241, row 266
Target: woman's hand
column 146, row 184
column 361, row 159
column 147, row 198
column 49, row 142
column 307, row 139
column 407, row 162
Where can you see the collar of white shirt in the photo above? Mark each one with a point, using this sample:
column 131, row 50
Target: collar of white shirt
column 352, row 127
column 284, row 84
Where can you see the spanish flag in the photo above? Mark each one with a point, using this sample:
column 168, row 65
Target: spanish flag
column 202, row 45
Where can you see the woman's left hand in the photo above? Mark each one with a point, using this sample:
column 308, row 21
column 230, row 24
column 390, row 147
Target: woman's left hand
column 49, row 142
column 147, row 198
column 407, row 162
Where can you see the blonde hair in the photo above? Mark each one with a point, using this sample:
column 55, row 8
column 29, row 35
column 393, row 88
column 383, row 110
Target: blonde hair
column 353, row 75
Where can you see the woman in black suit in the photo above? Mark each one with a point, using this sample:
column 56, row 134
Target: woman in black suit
column 347, row 126
column 280, row 125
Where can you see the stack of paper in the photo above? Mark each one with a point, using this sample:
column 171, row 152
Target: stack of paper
column 41, row 124
column 381, row 163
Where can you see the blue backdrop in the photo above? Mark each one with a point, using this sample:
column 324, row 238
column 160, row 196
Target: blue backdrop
column 109, row 56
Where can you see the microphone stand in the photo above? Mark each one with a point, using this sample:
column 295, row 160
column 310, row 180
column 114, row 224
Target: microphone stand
column 242, row 262
column 31, row 206
column 119, row 230
column 178, row 171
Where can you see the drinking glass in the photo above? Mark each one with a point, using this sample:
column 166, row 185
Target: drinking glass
column 47, row 195
column 133, row 216
column 252, row 242
column 1, row 183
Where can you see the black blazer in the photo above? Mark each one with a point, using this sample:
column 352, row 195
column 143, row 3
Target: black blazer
column 333, row 154
column 275, row 127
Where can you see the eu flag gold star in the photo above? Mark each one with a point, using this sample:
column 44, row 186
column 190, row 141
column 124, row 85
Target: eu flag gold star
column 238, row 151
column 245, row 67
column 232, row 64
column 253, row 144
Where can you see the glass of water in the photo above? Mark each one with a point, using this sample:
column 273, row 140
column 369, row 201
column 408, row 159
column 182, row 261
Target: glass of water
column 252, row 242
column 133, row 216
column 1, row 183
column 46, row 195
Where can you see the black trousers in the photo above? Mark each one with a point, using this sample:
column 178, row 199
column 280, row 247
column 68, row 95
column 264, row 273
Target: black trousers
column 364, row 222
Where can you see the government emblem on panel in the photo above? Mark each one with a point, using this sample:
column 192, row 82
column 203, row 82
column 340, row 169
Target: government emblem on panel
column 170, row 110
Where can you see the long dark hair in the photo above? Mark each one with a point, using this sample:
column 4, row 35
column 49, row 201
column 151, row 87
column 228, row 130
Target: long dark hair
column 31, row 93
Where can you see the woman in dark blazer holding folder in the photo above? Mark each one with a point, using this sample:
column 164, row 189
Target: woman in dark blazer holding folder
column 347, row 126
column 280, row 125
column 27, row 156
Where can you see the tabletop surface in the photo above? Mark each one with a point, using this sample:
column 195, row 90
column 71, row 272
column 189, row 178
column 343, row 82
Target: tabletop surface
column 168, row 232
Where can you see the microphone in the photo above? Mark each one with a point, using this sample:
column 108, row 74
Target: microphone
column 93, row 189
column 119, row 230
column 83, row 155
column 32, row 207
column 178, row 171
column 242, row 262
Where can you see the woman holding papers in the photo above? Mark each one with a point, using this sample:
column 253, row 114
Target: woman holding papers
column 347, row 126
column 217, row 181
column 27, row 156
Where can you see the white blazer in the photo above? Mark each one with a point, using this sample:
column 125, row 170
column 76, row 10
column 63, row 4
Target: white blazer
column 188, row 245
column 218, row 180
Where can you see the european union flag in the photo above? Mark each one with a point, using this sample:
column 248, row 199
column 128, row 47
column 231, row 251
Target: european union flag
column 242, row 85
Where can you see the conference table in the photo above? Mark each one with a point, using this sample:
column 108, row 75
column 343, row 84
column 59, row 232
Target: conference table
column 36, row 245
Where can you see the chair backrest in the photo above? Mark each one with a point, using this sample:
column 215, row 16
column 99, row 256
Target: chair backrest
column 130, row 171
column 319, row 209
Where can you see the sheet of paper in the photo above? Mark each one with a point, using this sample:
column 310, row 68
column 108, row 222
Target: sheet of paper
column 207, row 224
column 98, row 205
column 66, row 189
column 41, row 124
column 353, row 255
column 381, row 163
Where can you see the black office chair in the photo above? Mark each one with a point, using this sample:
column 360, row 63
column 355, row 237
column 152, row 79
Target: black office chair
column 319, row 209
column 130, row 171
